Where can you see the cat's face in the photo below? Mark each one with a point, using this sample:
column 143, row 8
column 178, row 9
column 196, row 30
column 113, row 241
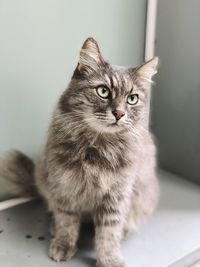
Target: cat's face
column 108, row 98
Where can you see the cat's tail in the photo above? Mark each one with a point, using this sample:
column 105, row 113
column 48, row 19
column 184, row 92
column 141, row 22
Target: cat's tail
column 17, row 172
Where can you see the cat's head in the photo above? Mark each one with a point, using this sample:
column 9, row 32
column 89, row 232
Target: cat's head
column 107, row 98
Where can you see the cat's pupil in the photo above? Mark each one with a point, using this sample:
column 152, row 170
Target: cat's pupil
column 104, row 90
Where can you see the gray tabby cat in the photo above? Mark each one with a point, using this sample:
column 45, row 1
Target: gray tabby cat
column 99, row 160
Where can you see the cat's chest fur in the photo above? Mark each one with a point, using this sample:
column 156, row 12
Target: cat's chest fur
column 90, row 167
column 99, row 153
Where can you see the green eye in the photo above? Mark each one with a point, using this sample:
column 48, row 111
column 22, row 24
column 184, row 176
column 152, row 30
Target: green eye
column 103, row 91
column 133, row 99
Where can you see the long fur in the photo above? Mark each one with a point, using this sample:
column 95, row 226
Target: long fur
column 92, row 167
column 18, row 170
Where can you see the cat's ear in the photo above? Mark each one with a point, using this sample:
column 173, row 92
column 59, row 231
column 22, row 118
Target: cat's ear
column 146, row 71
column 90, row 56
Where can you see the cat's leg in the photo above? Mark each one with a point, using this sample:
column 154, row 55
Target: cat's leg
column 66, row 231
column 109, row 220
column 143, row 203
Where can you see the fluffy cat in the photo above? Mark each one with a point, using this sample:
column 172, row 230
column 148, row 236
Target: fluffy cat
column 99, row 160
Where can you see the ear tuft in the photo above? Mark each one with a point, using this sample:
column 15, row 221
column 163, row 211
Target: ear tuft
column 91, row 44
column 148, row 69
column 90, row 55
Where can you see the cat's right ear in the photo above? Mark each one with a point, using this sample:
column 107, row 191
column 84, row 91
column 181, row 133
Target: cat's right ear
column 147, row 70
column 90, row 57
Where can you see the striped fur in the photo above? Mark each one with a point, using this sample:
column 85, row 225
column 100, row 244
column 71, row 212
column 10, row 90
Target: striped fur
column 93, row 168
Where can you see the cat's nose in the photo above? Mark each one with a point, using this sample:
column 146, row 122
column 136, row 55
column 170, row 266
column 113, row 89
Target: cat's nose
column 118, row 114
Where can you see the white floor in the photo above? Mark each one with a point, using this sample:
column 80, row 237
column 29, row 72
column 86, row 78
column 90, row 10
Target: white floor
column 168, row 237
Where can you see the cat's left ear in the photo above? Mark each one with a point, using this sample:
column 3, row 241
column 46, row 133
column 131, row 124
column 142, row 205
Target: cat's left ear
column 90, row 56
column 146, row 71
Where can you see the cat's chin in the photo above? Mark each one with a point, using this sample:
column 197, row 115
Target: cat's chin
column 108, row 128
column 114, row 128
column 105, row 127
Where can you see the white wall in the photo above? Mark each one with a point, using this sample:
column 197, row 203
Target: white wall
column 176, row 96
column 39, row 47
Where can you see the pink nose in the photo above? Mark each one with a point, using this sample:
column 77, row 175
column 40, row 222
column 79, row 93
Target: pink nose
column 118, row 114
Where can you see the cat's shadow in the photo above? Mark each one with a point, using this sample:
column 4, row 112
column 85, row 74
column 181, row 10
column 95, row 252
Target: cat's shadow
column 90, row 262
column 86, row 237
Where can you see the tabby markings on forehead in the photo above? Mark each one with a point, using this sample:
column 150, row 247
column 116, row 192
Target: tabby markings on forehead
column 118, row 81
column 122, row 84
column 111, row 82
column 107, row 79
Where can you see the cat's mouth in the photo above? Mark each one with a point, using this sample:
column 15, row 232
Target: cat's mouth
column 105, row 125
column 114, row 124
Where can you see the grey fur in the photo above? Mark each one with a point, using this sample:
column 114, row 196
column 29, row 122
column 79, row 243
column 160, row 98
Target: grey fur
column 18, row 170
column 93, row 168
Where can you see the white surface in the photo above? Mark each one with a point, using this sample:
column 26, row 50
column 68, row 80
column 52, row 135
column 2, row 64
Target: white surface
column 14, row 202
column 171, row 234
column 191, row 260
column 197, row 264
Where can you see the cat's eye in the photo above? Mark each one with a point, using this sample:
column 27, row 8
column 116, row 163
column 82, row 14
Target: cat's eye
column 133, row 99
column 103, row 91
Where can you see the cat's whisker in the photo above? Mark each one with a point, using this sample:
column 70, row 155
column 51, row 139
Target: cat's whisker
column 100, row 114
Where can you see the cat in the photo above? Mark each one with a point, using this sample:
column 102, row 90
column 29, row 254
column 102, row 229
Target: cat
column 99, row 160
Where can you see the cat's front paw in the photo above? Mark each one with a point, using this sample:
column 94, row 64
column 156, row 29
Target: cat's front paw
column 110, row 263
column 59, row 252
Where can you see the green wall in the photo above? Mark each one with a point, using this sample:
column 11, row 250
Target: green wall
column 39, row 48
